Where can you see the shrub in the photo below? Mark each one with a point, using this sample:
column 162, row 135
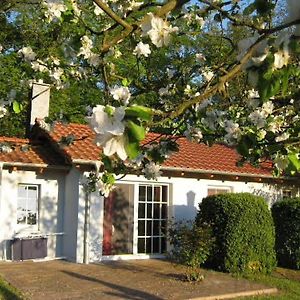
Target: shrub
column 190, row 246
column 244, row 234
column 286, row 215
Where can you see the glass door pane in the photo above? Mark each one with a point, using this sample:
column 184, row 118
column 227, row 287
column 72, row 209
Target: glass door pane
column 118, row 221
column 152, row 218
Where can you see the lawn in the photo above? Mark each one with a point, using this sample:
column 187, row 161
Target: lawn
column 285, row 280
column 7, row 292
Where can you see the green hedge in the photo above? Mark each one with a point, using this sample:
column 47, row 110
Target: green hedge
column 286, row 215
column 243, row 230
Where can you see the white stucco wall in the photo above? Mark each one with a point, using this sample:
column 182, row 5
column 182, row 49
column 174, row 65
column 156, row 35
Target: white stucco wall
column 51, row 186
column 71, row 214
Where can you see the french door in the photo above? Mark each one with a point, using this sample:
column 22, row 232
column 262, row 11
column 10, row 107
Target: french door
column 135, row 219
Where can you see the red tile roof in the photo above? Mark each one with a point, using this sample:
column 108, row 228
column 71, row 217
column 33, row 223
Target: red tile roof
column 191, row 156
column 83, row 147
column 32, row 153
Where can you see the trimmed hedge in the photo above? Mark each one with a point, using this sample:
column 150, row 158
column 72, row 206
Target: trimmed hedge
column 244, row 233
column 286, row 215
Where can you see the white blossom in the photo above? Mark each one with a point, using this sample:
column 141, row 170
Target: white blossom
column 27, row 53
column 193, row 134
column 121, row 93
column 3, row 111
column 54, row 9
column 1, row 48
column 56, row 73
column 158, row 30
column 258, row 118
column 104, row 187
column 39, row 66
column 170, row 73
column 152, row 171
column 142, row 49
column 109, row 130
column 200, row 57
column 282, row 137
column 163, row 91
column 267, row 108
column 97, row 10
column 207, row 74
column 5, row 148
column 281, row 58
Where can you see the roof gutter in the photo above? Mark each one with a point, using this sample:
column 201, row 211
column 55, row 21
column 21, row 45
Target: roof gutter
column 215, row 172
column 31, row 165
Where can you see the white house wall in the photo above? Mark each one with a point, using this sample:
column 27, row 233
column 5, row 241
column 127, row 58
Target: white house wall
column 185, row 194
column 71, row 214
column 51, row 185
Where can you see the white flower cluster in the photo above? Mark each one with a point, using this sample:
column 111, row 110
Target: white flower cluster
column 193, row 134
column 86, row 51
column 121, row 94
column 152, row 171
column 158, row 30
column 109, row 128
column 55, row 8
column 104, row 187
column 142, row 50
column 27, row 53
column 259, row 116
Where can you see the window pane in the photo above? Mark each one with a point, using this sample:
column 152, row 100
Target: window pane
column 149, row 228
column 157, row 193
column 22, row 191
column 142, row 193
column 156, row 211
column 32, row 192
column 141, row 210
column 148, row 245
column 164, row 211
column 149, row 211
column 141, row 228
column 155, row 245
column 164, row 194
column 141, row 245
column 21, row 216
column 149, row 193
column 156, row 225
column 163, row 245
column 31, row 218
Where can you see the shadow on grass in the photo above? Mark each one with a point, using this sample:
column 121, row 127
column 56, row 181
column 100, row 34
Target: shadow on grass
column 120, row 291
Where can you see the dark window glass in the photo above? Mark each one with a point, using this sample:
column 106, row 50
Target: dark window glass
column 141, row 245
column 156, row 245
column 141, row 210
column 142, row 193
column 156, row 225
column 149, row 211
column 149, row 193
column 141, row 228
column 148, row 245
column 156, row 211
column 149, row 228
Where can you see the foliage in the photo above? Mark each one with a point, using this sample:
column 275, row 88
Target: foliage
column 286, row 215
column 214, row 71
column 7, row 292
column 190, row 246
column 243, row 230
column 285, row 280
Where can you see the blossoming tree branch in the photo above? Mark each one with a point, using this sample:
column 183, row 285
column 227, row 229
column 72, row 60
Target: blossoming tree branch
column 211, row 70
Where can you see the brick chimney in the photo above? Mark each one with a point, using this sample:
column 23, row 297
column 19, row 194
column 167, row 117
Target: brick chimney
column 40, row 100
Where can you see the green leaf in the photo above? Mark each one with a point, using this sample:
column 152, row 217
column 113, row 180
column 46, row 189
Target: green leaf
column 17, row 107
column 294, row 160
column 141, row 112
column 125, row 82
column 136, row 132
column 132, row 149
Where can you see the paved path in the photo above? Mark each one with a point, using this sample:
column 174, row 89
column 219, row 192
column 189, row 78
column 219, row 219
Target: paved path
column 135, row 280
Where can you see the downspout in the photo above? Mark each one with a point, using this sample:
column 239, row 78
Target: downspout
column 86, row 227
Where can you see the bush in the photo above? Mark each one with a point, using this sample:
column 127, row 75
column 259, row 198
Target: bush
column 190, row 246
column 244, row 234
column 286, row 215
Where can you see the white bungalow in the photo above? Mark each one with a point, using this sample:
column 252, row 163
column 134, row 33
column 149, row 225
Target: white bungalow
column 45, row 212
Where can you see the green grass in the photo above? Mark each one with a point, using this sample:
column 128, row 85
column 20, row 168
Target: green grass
column 285, row 280
column 7, row 292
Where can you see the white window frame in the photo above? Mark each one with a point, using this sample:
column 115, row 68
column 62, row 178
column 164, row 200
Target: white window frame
column 220, row 187
column 28, row 226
